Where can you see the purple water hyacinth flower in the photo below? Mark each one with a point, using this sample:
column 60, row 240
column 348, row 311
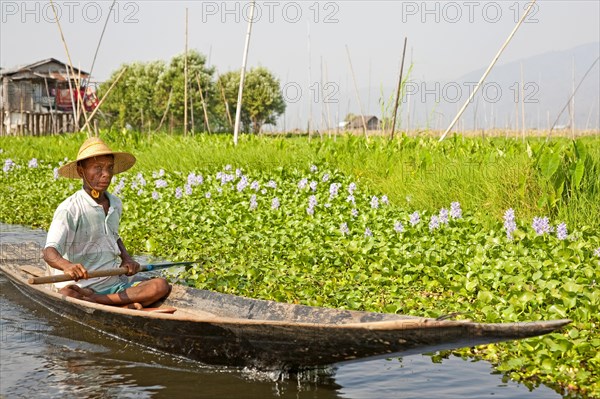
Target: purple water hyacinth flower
column 313, row 168
column 398, row 227
column 192, row 179
column 333, row 189
column 385, row 200
column 561, row 231
column 33, row 163
column 455, row 210
column 225, row 178
column 255, row 185
column 8, row 165
column 227, row 167
column 415, row 218
column 263, row 191
column 368, row 232
column 597, row 252
column 312, row 201
column 310, row 211
column 199, row 180
column 134, row 184
column 238, row 173
column 313, row 185
column 271, row 184
column 219, row 190
column 354, row 212
column 55, row 172
column 242, row 184
column 509, row 223
column 350, row 198
column 188, row 189
column 275, row 203
column 141, row 180
column 351, row 188
column 302, row 184
column 443, row 216
column 155, row 195
column 140, row 192
column 178, row 192
column 325, row 177
column 253, row 202
column 207, row 195
column 374, row 202
column 160, row 183
column 541, row 225
column 119, row 187
column 434, row 222
column 158, row 174
column 344, row 228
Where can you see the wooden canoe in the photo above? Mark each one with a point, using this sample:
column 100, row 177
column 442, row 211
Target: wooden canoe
column 228, row 330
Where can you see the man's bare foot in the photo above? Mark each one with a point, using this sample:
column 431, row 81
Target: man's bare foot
column 134, row 305
column 77, row 292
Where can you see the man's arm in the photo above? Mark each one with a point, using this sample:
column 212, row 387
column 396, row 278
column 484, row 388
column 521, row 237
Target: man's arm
column 127, row 260
column 54, row 259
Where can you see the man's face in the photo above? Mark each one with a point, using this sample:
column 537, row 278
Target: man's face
column 98, row 171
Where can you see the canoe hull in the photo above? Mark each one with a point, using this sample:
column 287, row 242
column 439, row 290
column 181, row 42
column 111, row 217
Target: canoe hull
column 243, row 332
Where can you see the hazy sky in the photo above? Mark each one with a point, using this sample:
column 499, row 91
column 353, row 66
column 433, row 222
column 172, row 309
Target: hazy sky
column 446, row 39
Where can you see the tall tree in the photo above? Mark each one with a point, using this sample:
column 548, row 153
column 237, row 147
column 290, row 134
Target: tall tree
column 262, row 100
column 172, row 82
column 132, row 100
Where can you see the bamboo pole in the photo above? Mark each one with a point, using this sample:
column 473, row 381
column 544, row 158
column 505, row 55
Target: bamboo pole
column 103, row 98
column 488, row 70
column 310, row 112
column 166, row 110
column 362, row 115
column 51, row 110
column 62, row 37
column 203, row 104
column 185, row 78
column 573, row 100
column 227, row 113
column 238, row 111
column 327, row 104
column 522, row 95
column 398, row 89
column 572, row 95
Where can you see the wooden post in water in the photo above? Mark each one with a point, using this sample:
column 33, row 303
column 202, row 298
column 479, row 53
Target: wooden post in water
column 185, row 78
column 362, row 115
column 203, row 104
column 487, row 71
column 398, row 89
column 238, row 112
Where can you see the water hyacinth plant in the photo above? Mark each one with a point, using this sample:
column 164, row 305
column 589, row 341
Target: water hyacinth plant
column 355, row 256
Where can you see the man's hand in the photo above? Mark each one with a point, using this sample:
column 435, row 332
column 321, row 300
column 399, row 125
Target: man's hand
column 131, row 265
column 76, row 271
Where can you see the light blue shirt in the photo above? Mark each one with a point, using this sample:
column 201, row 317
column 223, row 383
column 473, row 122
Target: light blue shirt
column 82, row 233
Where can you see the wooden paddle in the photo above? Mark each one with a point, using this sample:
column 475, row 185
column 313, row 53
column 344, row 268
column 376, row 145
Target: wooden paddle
column 104, row 273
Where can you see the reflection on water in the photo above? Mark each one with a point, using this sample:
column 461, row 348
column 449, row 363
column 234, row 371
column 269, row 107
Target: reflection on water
column 46, row 356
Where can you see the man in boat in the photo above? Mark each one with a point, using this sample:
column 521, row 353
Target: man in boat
column 83, row 235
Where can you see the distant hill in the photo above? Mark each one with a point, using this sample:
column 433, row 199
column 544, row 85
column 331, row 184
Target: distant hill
column 548, row 84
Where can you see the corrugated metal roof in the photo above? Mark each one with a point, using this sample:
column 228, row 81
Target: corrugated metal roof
column 30, row 67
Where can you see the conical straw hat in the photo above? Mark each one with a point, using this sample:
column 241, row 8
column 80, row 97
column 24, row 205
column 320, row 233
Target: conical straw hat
column 94, row 147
